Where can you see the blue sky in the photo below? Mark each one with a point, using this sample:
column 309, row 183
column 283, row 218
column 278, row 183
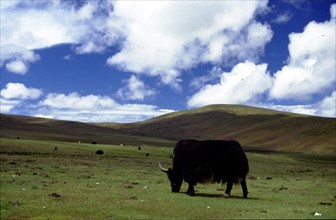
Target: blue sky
column 126, row 61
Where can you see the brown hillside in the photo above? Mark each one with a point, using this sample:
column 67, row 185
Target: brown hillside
column 254, row 127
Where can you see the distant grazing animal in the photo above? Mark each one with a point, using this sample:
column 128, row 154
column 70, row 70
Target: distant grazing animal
column 139, row 148
column 55, row 149
column 93, row 142
column 147, row 154
column 208, row 161
column 99, row 152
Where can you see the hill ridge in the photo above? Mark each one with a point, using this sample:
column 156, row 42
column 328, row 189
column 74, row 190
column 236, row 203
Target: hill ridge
column 253, row 127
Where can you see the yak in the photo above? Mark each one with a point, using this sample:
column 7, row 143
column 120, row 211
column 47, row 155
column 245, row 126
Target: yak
column 208, row 161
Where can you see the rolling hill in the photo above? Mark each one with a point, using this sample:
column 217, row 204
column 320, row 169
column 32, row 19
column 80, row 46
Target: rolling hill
column 25, row 127
column 254, row 127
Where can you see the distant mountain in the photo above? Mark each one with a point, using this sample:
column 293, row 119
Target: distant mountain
column 255, row 128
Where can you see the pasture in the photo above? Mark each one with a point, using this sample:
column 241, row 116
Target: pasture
column 72, row 182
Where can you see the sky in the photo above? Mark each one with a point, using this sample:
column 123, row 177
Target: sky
column 128, row 61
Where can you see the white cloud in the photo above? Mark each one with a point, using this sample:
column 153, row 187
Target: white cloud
column 44, row 116
column 311, row 66
column 7, row 105
column 245, row 45
column 94, row 108
column 36, row 26
column 73, row 106
column 283, row 18
column 124, row 114
column 309, row 73
column 40, row 24
column 135, row 89
column 298, row 109
column 74, row 101
column 67, row 57
column 15, row 95
column 327, row 107
column 19, row 91
column 245, row 83
column 16, row 66
column 17, row 58
column 163, row 38
column 333, row 11
column 323, row 108
column 160, row 38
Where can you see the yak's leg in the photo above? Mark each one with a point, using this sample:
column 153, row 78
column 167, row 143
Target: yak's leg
column 189, row 178
column 228, row 189
column 191, row 190
column 244, row 188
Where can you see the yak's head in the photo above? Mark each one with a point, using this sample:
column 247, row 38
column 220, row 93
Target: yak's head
column 174, row 177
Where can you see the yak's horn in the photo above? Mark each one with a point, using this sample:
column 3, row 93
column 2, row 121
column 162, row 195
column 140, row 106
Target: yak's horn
column 162, row 168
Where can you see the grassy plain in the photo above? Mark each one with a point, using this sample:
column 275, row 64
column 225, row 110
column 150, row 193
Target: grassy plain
column 73, row 182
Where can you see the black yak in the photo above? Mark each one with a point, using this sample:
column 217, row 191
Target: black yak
column 208, row 161
column 100, row 152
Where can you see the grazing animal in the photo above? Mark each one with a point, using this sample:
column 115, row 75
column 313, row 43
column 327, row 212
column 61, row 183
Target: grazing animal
column 55, row 149
column 208, row 161
column 99, row 152
column 139, row 148
column 94, row 142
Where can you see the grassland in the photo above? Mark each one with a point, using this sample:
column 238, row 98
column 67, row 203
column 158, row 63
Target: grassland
column 73, row 182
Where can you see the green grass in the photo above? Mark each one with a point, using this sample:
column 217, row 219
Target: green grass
column 126, row 184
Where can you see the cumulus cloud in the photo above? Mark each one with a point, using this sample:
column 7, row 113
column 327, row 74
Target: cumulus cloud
column 164, row 39
column 311, row 64
column 94, row 108
column 308, row 75
column 298, row 109
column 333, row 11
column 17, row 58
column 7, row 105
column 157, row 45
column 19, row 91
column 17, row 66
column 27, row 26
column 15, row 95
column 247, row 45
column 327, row 107
column 122, row 114
column 243, row 84
column 76, row 102
column 160, row 38
column 135, row 89
column 73, row 106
